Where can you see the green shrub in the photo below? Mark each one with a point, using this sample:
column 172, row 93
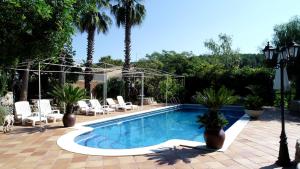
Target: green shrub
column 3, row 113
column 235, row 79
column 115, row 87
column 3, row 83
column 253, row 102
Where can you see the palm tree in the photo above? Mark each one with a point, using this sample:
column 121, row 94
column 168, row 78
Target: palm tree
column 90, row 21
column 128, row 13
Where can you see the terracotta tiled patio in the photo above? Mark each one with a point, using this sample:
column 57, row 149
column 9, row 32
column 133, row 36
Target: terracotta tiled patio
column 255, row 147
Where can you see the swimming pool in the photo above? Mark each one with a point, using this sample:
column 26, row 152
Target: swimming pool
column 148, row 130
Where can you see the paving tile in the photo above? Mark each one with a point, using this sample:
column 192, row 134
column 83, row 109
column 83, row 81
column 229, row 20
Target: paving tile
column 94, row 164
column 77, row 165
column 110, row 161
column 255, row 147
column 112, row 167
column 128, row 166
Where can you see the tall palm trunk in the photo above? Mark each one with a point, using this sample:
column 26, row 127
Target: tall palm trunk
column 90, row 51
column 127, row 43
column 24, row 87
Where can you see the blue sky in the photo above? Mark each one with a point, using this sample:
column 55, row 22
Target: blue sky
column 186, row 25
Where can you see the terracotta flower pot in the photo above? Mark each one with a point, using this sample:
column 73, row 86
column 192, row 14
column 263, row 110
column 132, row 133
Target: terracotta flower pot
column 214, row 137
column 69, row 119
column 254, row 113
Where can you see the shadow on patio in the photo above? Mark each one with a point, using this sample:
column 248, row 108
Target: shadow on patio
column 174, row 155
column 294, row 165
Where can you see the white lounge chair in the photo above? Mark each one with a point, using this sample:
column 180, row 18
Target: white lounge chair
column 83, row 106
column 116, row 106
column 47, row 111
column 24, row 113
column 123, row 103
column 96, row 105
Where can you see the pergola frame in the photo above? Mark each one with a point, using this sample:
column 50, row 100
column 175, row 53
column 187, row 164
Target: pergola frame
column 136, row 72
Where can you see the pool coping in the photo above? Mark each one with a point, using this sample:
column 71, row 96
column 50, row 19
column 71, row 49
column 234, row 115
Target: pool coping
column 67, row 142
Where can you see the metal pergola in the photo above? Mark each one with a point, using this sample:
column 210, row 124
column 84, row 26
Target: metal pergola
column 102, row 70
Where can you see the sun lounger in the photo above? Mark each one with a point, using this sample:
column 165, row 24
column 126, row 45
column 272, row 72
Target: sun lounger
column 24, row 113
column 83, row 107
column 47, row 111
column 96, row 105
column 123, row 103
column 116, row 106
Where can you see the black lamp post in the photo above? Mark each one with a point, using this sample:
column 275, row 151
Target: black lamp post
column 284, row 54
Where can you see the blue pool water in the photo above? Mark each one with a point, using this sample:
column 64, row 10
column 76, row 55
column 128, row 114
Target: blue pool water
column 150, row 128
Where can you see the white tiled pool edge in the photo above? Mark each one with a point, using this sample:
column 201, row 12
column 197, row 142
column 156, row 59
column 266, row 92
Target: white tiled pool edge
column 67, row 142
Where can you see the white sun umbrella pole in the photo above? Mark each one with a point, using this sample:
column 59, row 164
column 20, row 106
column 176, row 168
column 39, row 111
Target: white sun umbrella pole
column 167, row 91
column 104, row 88
column 142, row 95
column 39, row 102
column 105, row 77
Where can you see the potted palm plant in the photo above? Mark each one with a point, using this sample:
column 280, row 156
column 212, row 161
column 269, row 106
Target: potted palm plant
column 68, row 95
column 253, row 105
column 213, row 120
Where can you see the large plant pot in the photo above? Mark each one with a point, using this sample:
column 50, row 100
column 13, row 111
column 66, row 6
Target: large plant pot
column 254, row 114
column 214, row 137
column 69, row 119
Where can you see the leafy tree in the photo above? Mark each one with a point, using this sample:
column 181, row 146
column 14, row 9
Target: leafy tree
column 3, row 83
column 115, row 88
column 284, row 34
column 33, row 30
column 128, row 13
column 170, row 87
column 223, row 50
column 90, row 21
column 151, row 64
column 109, row 60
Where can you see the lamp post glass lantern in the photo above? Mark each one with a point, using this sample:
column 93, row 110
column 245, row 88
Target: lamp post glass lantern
column 286, row 53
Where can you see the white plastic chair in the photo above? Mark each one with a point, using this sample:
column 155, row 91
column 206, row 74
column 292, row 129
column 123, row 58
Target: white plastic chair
column 47, row 111
column 111, row 103
column 96, row 105
column 123, row 103
column 23, row 112
column 116, row 106
column 83, row 106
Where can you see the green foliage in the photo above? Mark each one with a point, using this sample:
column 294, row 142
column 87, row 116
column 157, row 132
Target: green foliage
column 115, row 87
column 34, row 29
column 151, row 89
column 223, row 51
column 253, row 102
column 213, row 99
column 109, row 60
column 136, row 12
column 284, row 34
column 206, row 70
column 170, row 87
column 150, row 64
column 212, row 120
column 3, row 83
column 287, row 98
column 91, row 18
column 68, row 94
column 3, row 113
column 128, row 13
